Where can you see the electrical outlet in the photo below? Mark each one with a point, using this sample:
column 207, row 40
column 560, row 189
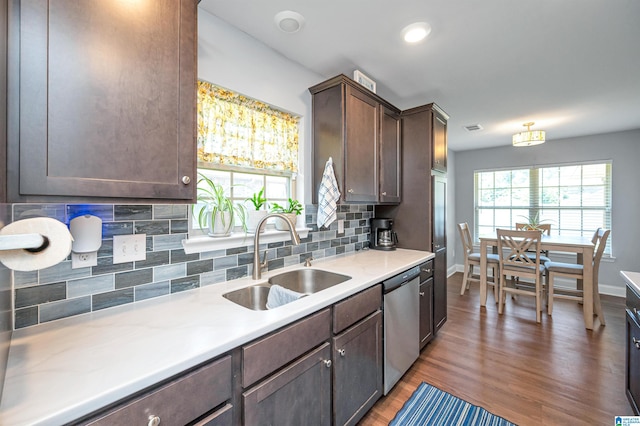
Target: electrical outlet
column 129, row 248
column 84, row 260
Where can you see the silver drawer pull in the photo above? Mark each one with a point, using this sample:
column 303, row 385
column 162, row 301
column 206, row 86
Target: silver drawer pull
column 153, row 420
column 636, row 342
column 341, row 352
column 350, row 191
column 186, row 180
column 421, row 294
column 428, row 271
column 384, row 193
column 327, row 363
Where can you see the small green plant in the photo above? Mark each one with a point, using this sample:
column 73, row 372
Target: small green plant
column 217, row 204
column 258, row 199
column 533, row 222
column 293, row 206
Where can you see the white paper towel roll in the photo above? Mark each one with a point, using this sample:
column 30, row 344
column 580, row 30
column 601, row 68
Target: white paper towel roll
column 56, row 248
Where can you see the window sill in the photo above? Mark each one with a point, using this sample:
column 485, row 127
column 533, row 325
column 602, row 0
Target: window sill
column 237, row 239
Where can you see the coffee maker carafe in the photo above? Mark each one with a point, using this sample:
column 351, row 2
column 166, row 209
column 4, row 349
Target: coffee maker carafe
column 383, row 237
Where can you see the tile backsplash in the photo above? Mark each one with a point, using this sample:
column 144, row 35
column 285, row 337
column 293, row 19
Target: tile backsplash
column 60, row 291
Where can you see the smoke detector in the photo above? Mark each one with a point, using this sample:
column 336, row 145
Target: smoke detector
column 289, row 21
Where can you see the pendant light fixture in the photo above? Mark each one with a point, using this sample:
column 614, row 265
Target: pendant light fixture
column 530, row 137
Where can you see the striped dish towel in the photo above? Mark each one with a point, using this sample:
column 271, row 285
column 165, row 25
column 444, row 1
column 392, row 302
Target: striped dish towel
column 328, row 196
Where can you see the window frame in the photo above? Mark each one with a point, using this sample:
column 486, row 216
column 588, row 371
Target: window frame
column 536, row 205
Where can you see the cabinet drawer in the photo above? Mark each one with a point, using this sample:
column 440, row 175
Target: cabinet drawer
column 348, row 312
column 178, row 402
column 268, row 354
column 426, row 270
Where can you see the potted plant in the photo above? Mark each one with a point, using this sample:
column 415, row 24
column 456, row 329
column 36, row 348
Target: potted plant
column 293, row 209
column 220, row 211
column 532, row 223
column 257, row 213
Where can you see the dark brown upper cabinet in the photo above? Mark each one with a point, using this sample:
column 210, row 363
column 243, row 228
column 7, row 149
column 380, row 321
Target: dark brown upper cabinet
column 101, row 100
column 361, row 132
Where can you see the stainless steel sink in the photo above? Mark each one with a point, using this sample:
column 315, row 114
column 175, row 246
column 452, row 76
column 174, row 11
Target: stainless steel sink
column 308, row 280
column 304, row 281
column 252, row 297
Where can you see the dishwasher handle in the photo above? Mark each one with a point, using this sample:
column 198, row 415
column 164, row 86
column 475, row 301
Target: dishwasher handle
column 400, row 280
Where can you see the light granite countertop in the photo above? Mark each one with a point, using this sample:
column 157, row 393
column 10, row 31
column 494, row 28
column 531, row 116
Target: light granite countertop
column 65, row 369
column 632, row 278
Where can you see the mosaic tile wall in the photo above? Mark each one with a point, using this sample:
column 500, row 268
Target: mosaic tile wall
column 59, row 291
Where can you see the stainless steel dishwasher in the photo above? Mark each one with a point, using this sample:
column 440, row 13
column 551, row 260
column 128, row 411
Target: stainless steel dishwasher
column 401, row 325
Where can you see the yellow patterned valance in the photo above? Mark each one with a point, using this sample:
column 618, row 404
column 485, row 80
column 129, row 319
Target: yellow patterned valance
column 239, row 131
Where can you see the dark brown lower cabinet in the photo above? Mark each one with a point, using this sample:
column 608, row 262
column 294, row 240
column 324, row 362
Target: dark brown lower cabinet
column 426, row 312
column 633, row 350
column 199, row 394
column 357, row 372
column 439, row 289
column 299, row 394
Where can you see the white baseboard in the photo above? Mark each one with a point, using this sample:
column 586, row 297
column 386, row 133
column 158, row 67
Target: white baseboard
column 608, row 289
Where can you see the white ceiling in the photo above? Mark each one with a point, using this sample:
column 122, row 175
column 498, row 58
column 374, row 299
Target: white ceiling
column 571, row 66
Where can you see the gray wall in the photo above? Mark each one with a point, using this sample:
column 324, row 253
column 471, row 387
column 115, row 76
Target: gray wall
column 622, row 148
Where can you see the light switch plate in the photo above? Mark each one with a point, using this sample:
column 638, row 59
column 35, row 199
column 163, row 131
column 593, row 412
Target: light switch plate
column 129, row 248
column 340, row 226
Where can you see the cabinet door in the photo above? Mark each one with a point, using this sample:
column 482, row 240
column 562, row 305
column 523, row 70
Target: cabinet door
column 426, row 312
column 299, row 394
column 361, row 153
column 102, row 99
column 357, row 370
column 439, row 289
column 390, row 170
column 633, row 362
column 439, row 212
column 439, row 142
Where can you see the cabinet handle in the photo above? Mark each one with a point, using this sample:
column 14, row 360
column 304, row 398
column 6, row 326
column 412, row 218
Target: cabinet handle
column 186, row 180
column 384, row 193
column 428, row 271
column 350, row 191
column 636, row 342
column 153, row 420
column 341, row 352
column 437, row 246
column 327, row 363
column 421, row 293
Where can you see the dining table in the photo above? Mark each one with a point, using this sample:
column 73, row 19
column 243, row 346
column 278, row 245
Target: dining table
column 582, row 246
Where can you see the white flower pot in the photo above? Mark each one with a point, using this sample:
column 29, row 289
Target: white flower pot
column 221, row 224
column 253, row 218
column 281, row 226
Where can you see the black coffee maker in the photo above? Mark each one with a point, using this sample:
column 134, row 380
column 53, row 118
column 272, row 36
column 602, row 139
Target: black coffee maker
column 383, row 237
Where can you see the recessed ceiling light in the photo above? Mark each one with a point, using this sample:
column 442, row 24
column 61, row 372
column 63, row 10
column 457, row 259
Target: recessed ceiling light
column 289, row 21
column 416, row 32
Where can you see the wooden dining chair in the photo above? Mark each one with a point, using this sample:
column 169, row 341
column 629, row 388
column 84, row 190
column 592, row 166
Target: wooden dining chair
column 576, row 271
column 472, row 259
column 546, row 230
column 519, row 253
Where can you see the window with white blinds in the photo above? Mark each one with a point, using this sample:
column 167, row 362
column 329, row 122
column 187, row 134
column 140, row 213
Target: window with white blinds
column 575, row 199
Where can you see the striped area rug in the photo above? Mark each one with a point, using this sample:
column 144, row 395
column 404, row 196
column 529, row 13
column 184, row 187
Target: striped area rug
column 431, row 406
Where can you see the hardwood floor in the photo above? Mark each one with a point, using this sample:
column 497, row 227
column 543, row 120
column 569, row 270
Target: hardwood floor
column 553, row 373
